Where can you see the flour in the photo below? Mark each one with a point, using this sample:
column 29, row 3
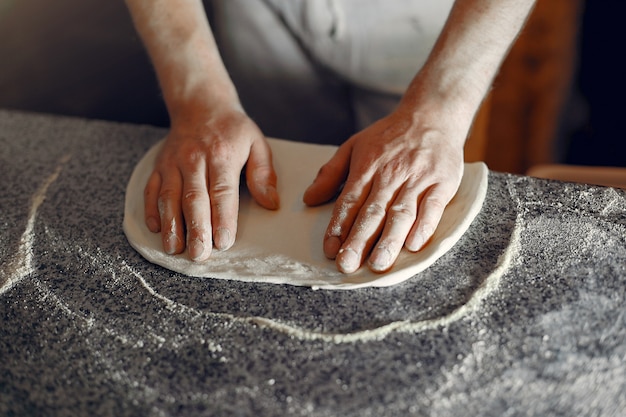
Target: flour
column 285, row 246
column 21, row 265
column 488, row 286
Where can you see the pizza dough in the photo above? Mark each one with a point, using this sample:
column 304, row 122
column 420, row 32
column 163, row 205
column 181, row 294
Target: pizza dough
column 285, row 246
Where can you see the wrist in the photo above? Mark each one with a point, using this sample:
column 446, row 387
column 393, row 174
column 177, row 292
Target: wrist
column 440, row 100
column 201, row 101
column 198, row 110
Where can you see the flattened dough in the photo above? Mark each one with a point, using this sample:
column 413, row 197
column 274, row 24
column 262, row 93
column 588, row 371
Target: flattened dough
column 285, row 246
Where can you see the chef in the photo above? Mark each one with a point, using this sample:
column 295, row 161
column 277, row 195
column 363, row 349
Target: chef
column 396, row 84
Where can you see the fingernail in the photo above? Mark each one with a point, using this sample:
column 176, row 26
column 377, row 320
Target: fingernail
column 196, row 249
column 415, row 244
column 331, row 247
column 348, row 260
column 380, row 259
column 153, row 224
column 172, row 243
column 222, row 239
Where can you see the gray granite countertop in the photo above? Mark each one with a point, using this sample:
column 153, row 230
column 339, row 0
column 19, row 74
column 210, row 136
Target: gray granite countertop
column 526, row 315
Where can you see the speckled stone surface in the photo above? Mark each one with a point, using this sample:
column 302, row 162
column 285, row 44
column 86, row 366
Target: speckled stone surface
column 87, row 327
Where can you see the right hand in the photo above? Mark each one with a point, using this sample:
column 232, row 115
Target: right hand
column 394, row 180
column 192, row 196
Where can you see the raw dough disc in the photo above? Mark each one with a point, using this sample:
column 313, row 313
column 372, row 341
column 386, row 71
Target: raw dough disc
column 285, row 246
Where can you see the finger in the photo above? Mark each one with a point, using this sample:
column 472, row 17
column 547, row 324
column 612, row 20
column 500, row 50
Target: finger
column 433, row 203
column 151, row 202
column 261, row 176
column 329, row 178
column 366, row 228
column 399, row 221
column 345, row 212
column 197, row 211
column 172, row 233
column 224, row 197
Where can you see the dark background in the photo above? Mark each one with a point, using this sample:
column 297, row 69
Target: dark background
column 76, row 57
column 83, row 58
column 595, row 118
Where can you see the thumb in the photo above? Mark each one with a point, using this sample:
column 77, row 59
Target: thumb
column 261, row 176
column 329, row 178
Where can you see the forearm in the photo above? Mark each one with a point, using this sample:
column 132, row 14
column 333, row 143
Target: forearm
column 181, row 46
column 460, row 69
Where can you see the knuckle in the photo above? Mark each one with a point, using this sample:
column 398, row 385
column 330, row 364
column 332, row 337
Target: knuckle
column 192, row 158
column 221, row 151
column 198, row 228
column 167, row 194
column 194, row 194
column 375, row 210
column 348, row 200
column 435, row 204
column 391, row 171
column 402, row 211
column 221, row 188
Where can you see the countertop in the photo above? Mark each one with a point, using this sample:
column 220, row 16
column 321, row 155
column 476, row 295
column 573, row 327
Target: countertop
column 526, row 315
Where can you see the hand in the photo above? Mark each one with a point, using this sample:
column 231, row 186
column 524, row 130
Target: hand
column 194, row 188
column 399, row 173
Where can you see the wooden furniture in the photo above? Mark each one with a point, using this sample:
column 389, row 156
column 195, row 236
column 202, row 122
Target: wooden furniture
column 517, row 126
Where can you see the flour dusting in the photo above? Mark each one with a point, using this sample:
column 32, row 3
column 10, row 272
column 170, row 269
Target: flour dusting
column 489, row 285
column 21, row 265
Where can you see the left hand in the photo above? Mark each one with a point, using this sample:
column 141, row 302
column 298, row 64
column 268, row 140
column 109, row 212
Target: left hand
column 400, row 173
